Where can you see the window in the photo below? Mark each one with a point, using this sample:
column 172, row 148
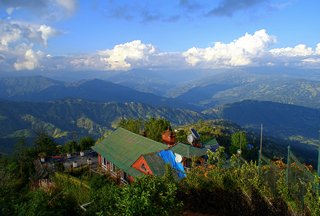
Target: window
column 188, row 163
column 111, row 166
column 125, row 176
column 105, row 161
column 143, row 167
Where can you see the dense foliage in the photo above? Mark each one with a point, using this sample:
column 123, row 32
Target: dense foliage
column 225, row 187
column 62, row 118
column 153, row 127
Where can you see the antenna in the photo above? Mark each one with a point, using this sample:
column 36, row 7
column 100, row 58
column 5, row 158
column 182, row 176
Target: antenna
column 178, row 158
column 190, row 138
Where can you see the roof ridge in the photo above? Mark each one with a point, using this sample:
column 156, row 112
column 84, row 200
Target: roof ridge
column 138, row 135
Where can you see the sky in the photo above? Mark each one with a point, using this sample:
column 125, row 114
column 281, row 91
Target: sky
column 111, row 35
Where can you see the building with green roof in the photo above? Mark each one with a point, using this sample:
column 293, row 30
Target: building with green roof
column 121, row 149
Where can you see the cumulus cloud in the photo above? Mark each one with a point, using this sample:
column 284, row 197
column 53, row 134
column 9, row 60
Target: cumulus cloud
column 122, row 57
column 16, row 53
column 14, row 31
column 299, row 50
column 31, row 61
column 228, row 7
column 248, row 50
column 237, row 53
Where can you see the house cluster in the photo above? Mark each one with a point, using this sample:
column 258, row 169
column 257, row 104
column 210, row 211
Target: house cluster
column 127, row 155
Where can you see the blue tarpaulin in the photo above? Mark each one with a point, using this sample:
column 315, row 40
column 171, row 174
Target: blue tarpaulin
column 169, row 157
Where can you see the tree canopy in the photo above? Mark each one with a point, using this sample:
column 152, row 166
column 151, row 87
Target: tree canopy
column 235, row 143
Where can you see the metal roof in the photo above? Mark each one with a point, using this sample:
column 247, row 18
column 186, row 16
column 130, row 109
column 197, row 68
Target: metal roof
column 155, row 163
column 124, row 147
column 209, row 142
column 187, row 150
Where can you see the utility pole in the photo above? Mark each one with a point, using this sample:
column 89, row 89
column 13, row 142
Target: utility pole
column 318, row 173
column 261, row 140
column 21, row 166
column 260, row 152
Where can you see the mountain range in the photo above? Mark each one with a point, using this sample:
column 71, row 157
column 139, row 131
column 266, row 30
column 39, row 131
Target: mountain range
column 38, row 89
column 59, row 118
column 94, row 107
column 237, row 85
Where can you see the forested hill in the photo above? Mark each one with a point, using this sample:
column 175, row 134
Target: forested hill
column 40, row 89
column 239, row 85
column 290, row 122
column 58, row 118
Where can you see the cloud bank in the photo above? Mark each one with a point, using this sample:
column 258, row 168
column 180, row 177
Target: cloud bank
column 248, row 50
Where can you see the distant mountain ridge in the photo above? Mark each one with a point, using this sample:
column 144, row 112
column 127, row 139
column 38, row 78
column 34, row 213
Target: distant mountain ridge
column 239, row 85
column 58, row 118
column 38, row 89
column 285, row 121
column 143, row 81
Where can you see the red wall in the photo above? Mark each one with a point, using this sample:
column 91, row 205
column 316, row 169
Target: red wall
column 131, row 179
column 99, row 160
column 139, row 163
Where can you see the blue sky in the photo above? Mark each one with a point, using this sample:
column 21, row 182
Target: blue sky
column 107, row 35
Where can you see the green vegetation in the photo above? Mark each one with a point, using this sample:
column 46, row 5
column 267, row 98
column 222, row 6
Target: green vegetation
column 234, row 86
column 63, row 118
column 237, row 139
column 222, row 189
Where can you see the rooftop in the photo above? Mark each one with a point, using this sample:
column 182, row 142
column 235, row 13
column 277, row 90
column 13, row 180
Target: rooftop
column 187, row 150
column 124, row 147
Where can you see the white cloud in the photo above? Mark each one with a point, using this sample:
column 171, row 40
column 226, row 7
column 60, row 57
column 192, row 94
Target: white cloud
column 16, row 54
column 238, row 53
column 249, row 50
column 299, row 50
column 11, row 32
column 69, row 6
column 48, row 32
column 318, row 49
column 122, row 57
column 32, row 60
column 9, row 10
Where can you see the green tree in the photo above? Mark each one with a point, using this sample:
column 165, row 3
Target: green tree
column 71, row 146
column 46, row 144
column 155, row 127
column 86, row 142
column 132, row 125
column 181, row 136
column 235, row 143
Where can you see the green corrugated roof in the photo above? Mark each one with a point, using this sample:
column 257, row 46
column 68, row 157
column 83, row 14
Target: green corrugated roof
column 155, row 163
column 133, row 172
column 209, row 142
column 124, row 147
column 187, row 150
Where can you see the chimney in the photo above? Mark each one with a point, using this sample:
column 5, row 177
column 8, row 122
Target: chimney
column 144, row 133
column 168, row 137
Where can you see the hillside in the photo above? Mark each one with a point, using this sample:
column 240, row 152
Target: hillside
column 289, row 122
column 58, row 118
column 40, row 89
column 238, row 85
column 143, row 81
